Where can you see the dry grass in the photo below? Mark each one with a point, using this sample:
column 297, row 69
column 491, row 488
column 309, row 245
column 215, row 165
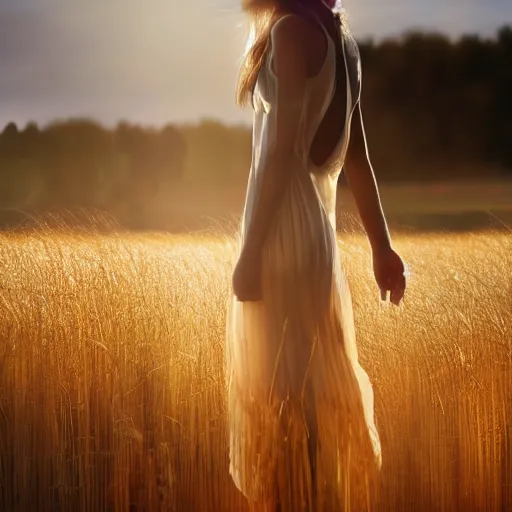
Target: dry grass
column 111, row 367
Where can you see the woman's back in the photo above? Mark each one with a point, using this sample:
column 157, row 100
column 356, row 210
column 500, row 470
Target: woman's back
column 319, row 126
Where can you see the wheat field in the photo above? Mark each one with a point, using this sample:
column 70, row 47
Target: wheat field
column 112, row 392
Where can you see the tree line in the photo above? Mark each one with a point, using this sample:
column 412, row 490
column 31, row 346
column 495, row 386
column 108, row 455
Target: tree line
column 434, row 109
column 439, row 109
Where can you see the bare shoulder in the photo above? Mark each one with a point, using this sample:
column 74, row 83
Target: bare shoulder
column 292, row 28
column 291, row 37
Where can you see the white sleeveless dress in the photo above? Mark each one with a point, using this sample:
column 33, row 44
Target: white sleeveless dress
column 292, row 362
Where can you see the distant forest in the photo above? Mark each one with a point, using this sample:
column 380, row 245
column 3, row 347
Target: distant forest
column 434, row 109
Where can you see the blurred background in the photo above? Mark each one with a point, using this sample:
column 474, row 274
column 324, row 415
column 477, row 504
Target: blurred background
column 128, row 107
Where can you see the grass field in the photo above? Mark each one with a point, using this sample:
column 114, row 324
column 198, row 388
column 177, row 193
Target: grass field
column 112, row 394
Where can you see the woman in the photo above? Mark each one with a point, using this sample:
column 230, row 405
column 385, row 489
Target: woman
column 300, row 405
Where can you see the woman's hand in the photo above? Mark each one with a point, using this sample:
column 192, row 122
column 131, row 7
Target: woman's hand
column 389, row 272
column 247, row 278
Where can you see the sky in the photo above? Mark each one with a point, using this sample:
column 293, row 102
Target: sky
column 159, row 61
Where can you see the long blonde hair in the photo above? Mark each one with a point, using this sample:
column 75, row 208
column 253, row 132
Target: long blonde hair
column 261, row 17
column 262, row 14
